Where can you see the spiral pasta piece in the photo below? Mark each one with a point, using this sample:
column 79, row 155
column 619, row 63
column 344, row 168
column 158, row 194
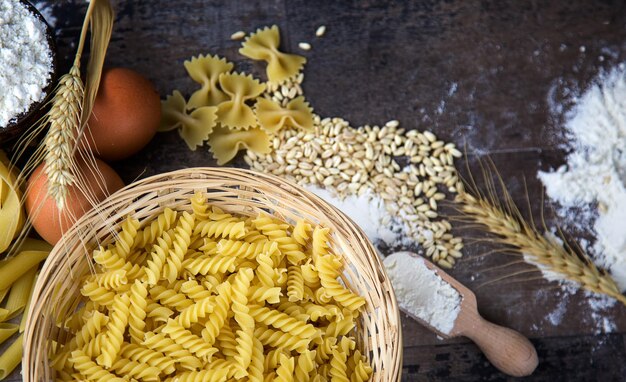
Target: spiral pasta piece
column 94, row 347
column 283, row 322
column 231, row 228
column 272, row 358
column 256, row 369
column 159, row 342
column 305, row 365
column 87, row 332
column 90, row 370
column 193, row 313
column 284, row 372
column 295, row 283
column 137, row 314
column 188, row 340
column 194, row 291
column 338, row 366
column 135, row 370
column 328, row 268
column 226, row 341
column 161, row 224
column 158, row 312
column 280, row 339
column 212, row 375
column 115, row 329
column 301, row 232
column 108, row 259
column 340, row 327
column 265, row 270
column 320, row 246
column 310, row 276
column 204, row 265
column 262, row 294
column 113, row 279
column 148, row 357
column 244, row 336
column 182, row 239
column 199, row 206
column 245, row 250
column 362, row 372
column 170, row 298
column 97, row 294
column 126, row 237
column 324, row 350
column 158, row 257
column 271, row 227
column 215, row 321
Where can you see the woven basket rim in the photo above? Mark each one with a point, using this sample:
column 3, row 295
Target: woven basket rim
column 380, row 323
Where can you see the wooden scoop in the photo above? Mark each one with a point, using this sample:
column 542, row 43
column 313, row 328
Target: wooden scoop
column 506, row 349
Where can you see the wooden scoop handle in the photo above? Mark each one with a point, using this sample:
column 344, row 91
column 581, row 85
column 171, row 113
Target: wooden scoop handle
column 506, row 349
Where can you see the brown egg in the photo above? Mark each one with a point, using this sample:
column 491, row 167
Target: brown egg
column 126, row 114
column 48, row 221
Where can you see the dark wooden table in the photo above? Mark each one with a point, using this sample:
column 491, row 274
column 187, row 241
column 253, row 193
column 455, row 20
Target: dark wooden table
column 485, row 74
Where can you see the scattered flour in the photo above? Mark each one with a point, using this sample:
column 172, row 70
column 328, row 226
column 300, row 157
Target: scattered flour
column 25, row 60
column 595, row 173
column 422, row 293
column 368, row 212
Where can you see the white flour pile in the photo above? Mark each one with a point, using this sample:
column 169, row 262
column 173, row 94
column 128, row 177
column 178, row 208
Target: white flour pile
column 25, row 60
column 595, row 173
column 369, row 213
column 422, row 293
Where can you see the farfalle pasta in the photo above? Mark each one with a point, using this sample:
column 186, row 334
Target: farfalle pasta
column 225, row 143
column 263, row 45
column 206, row 71
column 235, row 113
column 273, row 117
column 227, row 309
column 194, row 127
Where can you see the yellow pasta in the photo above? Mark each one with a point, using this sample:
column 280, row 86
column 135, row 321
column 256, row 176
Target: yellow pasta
column 6, row 331
column 273, row 117
column 206, row 71
column 11, row 357
column 20, row 291
column 235, row 113
column 15, row 267
column 194, row 127
column 225, row 143
column 263, row 45
column 188, row 297
column 11, row 212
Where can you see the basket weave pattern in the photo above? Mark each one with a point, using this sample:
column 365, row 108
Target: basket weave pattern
column 57, row 294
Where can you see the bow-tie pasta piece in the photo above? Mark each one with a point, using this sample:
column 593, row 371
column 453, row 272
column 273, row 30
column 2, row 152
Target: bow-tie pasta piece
column 235, row 113
column 263, row 45
column 273, row 117
column 194, row 127
column 206, row 71
column 225, row 143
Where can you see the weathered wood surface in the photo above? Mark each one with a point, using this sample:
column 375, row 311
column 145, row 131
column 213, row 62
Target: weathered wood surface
column 485, row 74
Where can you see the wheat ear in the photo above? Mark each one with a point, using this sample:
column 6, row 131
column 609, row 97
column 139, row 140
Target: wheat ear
column 502, row 218
column 60, row 141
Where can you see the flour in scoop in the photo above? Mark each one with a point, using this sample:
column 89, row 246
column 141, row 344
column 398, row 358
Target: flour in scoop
column 422, row 293
column 594, row 178
column 25, row 60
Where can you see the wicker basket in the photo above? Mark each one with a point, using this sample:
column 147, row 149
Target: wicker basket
column 234, row 190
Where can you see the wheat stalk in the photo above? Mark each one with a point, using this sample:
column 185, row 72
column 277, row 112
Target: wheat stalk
column 71, row 107
column 64, row 119
column 500, row 216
